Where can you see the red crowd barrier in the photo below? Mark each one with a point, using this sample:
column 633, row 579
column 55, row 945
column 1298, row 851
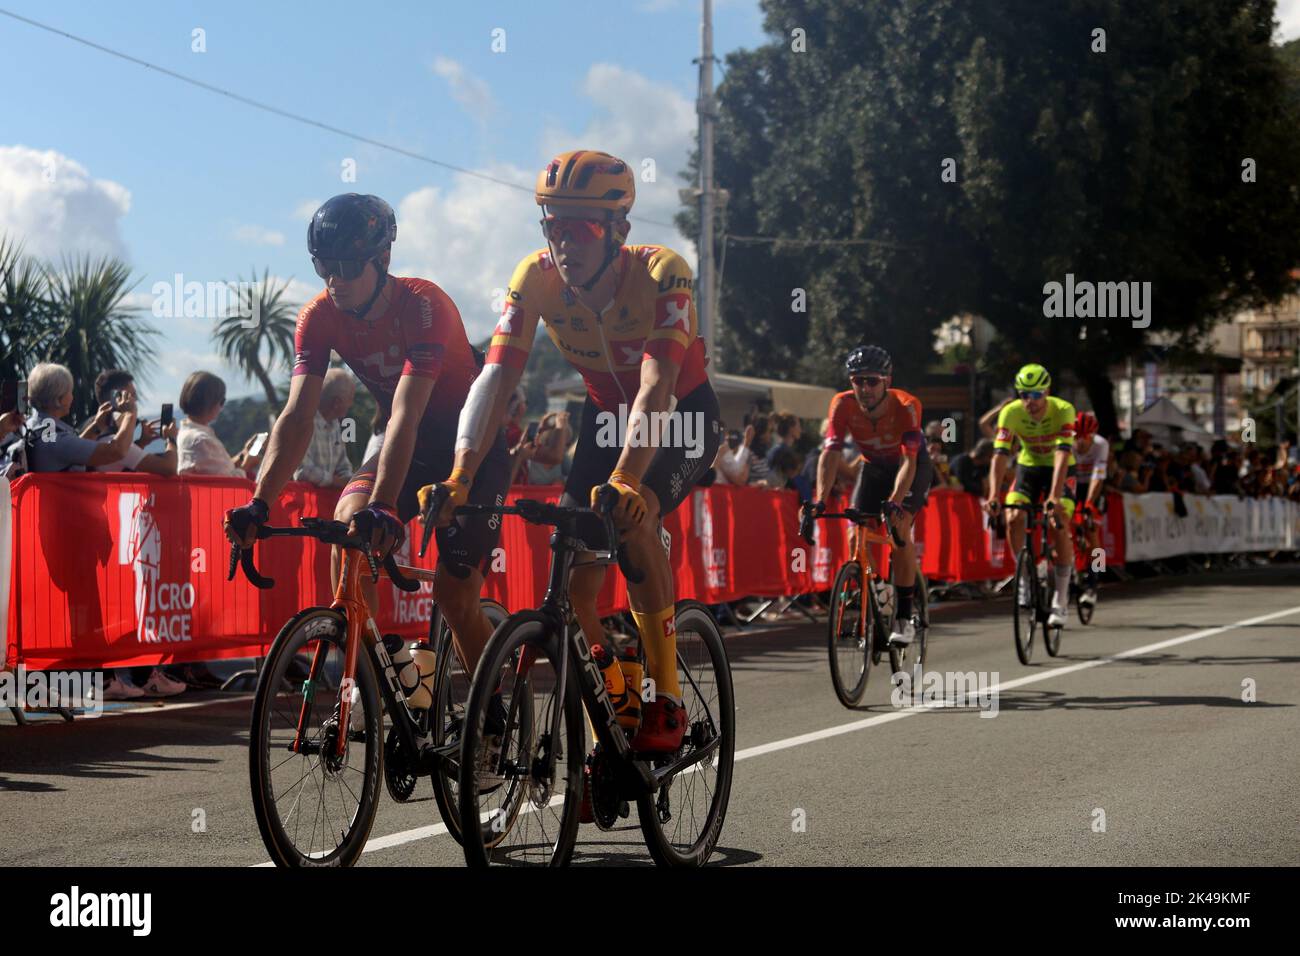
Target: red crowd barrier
column 123, row 570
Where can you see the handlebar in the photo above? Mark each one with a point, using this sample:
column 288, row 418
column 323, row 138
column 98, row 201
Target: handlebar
column 544, row 513
column 1047, row 507
column 325, row 531
column 807, row 517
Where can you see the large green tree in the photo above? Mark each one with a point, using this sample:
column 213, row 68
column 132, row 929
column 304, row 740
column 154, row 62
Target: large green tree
column 1109, row 140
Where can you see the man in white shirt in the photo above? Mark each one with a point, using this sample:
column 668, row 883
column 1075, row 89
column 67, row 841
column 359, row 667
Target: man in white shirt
column 326, row 463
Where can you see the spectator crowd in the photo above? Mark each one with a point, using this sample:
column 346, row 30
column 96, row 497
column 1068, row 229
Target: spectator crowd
column 770, row 451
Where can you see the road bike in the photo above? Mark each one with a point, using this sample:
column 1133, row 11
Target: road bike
column 1083, row 529
column 859, row 627
column 1032, row 600
column 317, row 750
column 522, row 775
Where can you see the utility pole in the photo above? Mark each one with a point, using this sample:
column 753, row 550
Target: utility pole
column 705, row 283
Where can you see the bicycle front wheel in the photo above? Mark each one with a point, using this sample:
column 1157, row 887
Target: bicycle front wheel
column 850, row 631
column 451, row 693
column 682, row 820
column 314, row 807
column 1025, row 606
column 521, row 750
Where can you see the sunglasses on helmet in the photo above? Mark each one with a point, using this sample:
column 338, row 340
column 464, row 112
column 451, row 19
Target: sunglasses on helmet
column 1032, row 396
column 348, row 269
column 871, row 381
column 581, row 231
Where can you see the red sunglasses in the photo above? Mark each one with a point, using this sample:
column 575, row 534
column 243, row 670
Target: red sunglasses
column 581, row 231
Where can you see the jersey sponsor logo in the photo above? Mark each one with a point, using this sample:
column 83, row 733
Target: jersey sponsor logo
column 670, row 282
column 506, row 324
column 544, row 261
column 424, row 355
column 1004, row 434
column 673, row 312
column 645, row 252
column 585, row 353
column 375, row 360
column 627, row 351
column 578, row 324
column 426, row 313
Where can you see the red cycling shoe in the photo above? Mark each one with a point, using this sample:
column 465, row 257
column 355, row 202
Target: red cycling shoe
column 663, row 725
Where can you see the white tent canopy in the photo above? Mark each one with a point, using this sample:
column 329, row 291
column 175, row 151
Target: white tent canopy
column 1166, row 420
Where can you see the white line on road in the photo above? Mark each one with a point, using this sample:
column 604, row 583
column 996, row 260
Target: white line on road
column 422, row 833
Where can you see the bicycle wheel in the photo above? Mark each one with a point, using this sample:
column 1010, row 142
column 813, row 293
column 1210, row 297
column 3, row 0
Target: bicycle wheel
column 1025, row 606
column 1084, row 608
column 921, row 604
column 451, row 692
column 314, row 808
column 525, row 786
column 682, row 820
column 850, row 633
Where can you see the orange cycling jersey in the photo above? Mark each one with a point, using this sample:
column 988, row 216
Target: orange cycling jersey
column 652, row 316
column 896, row 433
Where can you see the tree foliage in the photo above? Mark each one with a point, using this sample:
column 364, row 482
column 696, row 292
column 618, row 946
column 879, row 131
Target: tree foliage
column 1114, row 166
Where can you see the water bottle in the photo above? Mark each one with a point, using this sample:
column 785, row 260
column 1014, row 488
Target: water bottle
column 408, row 672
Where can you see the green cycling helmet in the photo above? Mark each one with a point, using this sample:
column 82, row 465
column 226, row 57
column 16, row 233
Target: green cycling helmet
column 1033, row 378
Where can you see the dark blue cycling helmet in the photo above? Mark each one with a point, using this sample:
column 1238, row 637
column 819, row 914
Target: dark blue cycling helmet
column 352, row 226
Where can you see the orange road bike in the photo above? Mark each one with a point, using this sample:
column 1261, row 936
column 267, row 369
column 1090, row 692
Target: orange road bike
column 862, row 607
column 317, row 750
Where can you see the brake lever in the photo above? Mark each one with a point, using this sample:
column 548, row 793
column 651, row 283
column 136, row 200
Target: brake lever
column 429, row 516
column 606, row 498
column 398, row 578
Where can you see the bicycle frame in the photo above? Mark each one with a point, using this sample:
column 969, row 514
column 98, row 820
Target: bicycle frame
column 350, row 601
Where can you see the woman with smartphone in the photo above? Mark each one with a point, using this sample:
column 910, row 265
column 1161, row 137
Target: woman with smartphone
column 200, row 450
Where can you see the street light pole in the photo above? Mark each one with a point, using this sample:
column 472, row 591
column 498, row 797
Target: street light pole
column 705, row 303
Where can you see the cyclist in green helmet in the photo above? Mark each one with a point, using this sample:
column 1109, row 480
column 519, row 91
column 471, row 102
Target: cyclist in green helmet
column 1044, row 468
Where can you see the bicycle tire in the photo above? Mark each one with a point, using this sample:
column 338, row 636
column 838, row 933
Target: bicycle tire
column 1084, row 610
column 451, row 692
column 1025, row 619
column 719, row 716
column 525, row 630
column 312, row 625
column 848, row 583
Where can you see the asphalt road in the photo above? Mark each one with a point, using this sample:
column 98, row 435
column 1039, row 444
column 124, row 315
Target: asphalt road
column 1134, row 747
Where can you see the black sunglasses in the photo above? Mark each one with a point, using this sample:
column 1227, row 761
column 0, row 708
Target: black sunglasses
column 869, row 380
column 348, row 269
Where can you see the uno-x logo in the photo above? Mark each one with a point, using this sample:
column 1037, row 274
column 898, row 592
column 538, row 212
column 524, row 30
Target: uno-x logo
column 673, row 312
column 506, row 324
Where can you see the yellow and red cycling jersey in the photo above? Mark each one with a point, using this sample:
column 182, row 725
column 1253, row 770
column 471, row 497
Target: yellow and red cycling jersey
column 652, row 316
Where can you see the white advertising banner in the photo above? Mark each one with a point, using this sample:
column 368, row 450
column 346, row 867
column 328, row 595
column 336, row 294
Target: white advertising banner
column 1213, row 525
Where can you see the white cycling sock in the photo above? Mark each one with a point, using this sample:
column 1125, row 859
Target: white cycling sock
column 1062, row 585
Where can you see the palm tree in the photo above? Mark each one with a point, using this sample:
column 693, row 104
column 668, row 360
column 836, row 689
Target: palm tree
column 258, row 338
column 24, row 309
column 90, row 329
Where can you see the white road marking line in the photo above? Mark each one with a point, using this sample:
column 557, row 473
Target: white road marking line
column 421, row 833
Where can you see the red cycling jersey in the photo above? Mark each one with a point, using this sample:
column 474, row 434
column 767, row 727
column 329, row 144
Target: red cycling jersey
column 420, row 334
column 897, row 432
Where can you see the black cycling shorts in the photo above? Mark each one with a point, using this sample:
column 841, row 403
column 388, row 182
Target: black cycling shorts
column 1033, row 482
column 876, row 483
column 672, row 472
column 467, row 541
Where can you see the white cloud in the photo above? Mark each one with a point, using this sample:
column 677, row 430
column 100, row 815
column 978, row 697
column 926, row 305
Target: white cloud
column 638, row 120
column 56, row 208
column 468, row 239
column 307, row 208
column 1288, row 15
column 470, row 91
column 259, row 235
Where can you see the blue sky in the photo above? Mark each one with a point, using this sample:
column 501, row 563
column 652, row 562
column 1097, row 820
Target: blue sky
column 175, row 179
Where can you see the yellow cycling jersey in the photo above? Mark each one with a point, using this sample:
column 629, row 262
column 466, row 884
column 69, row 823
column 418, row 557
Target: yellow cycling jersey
column 1040, row 439
column 652, row 315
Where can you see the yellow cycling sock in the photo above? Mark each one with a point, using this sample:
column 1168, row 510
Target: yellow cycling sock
column 659, row 638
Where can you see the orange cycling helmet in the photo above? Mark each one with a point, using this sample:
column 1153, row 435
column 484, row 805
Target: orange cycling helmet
column 1085, row 425
column 586, row 177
